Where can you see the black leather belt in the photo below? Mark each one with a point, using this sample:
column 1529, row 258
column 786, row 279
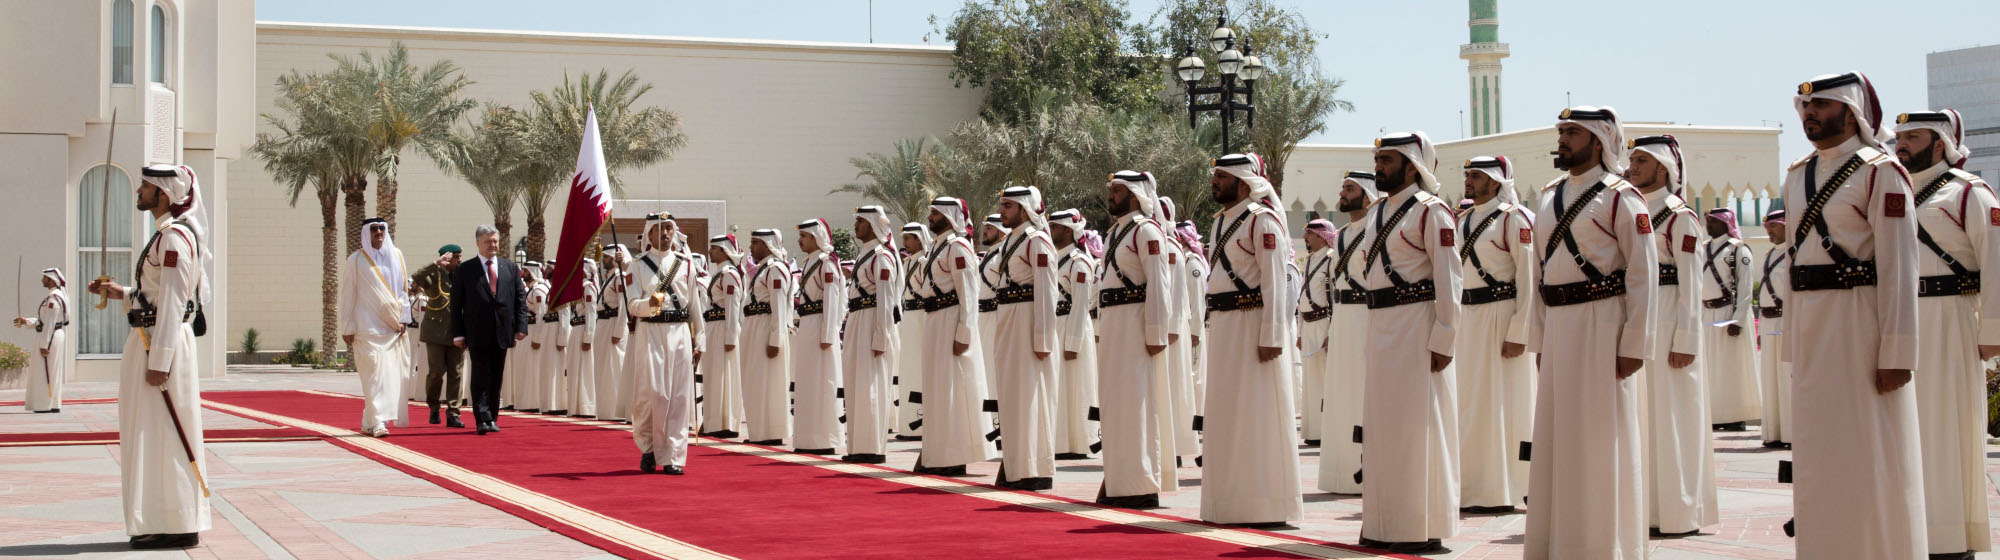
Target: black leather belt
column 714, row 314
column 1771, row 312
column 1062, row 308
column 551, row 317
column 675, row 316
column 54, row 327
column 1488, row 294
column 531, row 320
column 913, row 304
column 577, row 320
column 1611, row 285
column 810, row 308
column 1394, row 296
column 1111, row 297
column 1948, row 284
column 607, row 313
column 145, row 317
column 1316, row 314
column 1350, row 297
column 941, row 302
column 860, row 303
column 759, row 308
column 1237, row 300
column 989, row 305
column 1716, row 303
column 1014, row 294
column 1670, row 275
column 1854, row 274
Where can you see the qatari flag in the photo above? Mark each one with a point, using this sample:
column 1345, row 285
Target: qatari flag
column 589, row 207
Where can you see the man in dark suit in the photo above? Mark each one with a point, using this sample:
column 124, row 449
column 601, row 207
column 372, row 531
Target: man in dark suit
column 489, row 313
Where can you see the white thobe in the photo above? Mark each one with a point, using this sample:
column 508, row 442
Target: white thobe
column 162, row 490
column 1134, row 258
column 869, row 349
column 1315, row 320
column 609, row 351
column 767, row 323
column 954, row 384
column 1077, row 391
column 1251, row 472
column 1027, row 348
column 722, row 367
column 663, row 355
column 1179, row 373
column 544, row 365
column 1411, row 411
column 1771, row 364
column 1680, row 458
column 1857, row 483
column 1346, row 358
column 1962, row 218
column 582, row 364
column 1586, row 481
column 373, row 312
column 1167, row 415
column 1728, row 363
column 816, row 355
column 909, row 378
column 1496, row 395
column 51, row 353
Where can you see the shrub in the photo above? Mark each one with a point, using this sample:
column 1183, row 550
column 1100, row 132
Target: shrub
column 251, row 342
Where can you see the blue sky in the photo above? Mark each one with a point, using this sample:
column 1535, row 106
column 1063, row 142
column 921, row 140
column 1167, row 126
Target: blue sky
column 1718, row 62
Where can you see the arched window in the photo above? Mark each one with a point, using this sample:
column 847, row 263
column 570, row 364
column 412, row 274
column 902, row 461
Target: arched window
column 121, row 41
column 159, row 50
column 104, row 235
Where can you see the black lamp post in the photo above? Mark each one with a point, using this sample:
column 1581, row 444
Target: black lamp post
column 1232, row 64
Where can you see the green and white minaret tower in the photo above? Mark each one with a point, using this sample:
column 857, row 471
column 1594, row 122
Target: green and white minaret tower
column 1482, row 65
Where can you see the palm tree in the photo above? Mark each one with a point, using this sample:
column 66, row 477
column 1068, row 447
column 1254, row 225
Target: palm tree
column 413, row 107
column 334, row 110
column 900, row 181
column 632, row 136
column 482, row 156
column 1288, row 110
column 296, row 161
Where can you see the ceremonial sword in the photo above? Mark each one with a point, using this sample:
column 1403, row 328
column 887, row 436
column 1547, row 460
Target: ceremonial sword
column 189, row 449
column 104, row 214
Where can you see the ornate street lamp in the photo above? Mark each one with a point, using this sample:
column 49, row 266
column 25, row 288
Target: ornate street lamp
column 1232, row 65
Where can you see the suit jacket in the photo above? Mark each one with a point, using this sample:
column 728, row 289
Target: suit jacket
column 488, row 319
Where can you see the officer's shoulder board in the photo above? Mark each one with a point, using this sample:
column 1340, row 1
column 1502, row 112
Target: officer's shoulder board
column 1552, row 184
column 1801, row 162
column 1871, row 156
column 1965, row 176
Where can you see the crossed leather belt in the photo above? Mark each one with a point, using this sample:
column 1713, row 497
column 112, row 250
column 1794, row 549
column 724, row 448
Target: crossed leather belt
column 1062, row 308
column 1316, row 314
column 810, row 308
column 759, row 308
column 913, row 304
column 577, row 320
column 1611, row 285
column 988, row 305
column 1771, row 312
column 1716, row 303
column 1350, row 297
column 607, row 313
column 941, row 302
column 1013, row 294
column 1237, row 300
column 1394, row 296
column 1948, row 284
column 860, row 303
column 675, row 316
column 1848, row 276
column 1111, row 297
column 713, row 315
column 1488, row 294
column 1670, row 275
column 551, row 317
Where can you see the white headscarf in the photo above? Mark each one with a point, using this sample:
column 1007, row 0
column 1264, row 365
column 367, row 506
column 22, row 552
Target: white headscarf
column 654, row 221
column 818, row 230
column 917, row 230
column 1069, row 219
column 534, row 270
column 1169, row 212
column 956, row 212
column 1250, row 168
column 184, row 192
column 1416, row 147
column 774, row 240
column 56, row 275
column 387, row 257
column 1950, row 129
column 1602, row 122
column 878, row 220
column 994, row 221
column 727, row 243
column 1030, row 199
column 1667, row 150
column 1365, row 180
column 1143, row 187
column 1854, row 90
column 1500, row 169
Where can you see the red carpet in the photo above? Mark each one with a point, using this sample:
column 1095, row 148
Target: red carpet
column 752, row 505
column 65, row 401
column 275, row 433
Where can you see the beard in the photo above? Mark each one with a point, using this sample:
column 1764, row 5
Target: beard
column 1346, row 205
column 938, row 227
column 1918, row 161
column 1826, row 129
column 1123, row 206
column 1570, row 160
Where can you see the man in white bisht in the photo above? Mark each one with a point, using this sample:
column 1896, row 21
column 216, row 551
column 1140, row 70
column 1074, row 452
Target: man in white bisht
column 1496, row 376
column 609, row 365
column 954, row 382
column 665, row 348
column 1346, row 347
column 816, row 359
column 1729, row 359
column 1134, row 302
column 1680, row 459
column 1177, row 378
column 1076, row 291
column 1251, row 475
column 915, row 244
column 1593, row 329
column 1410, row 267
column 1958, row 223
column 1771, row 365
column 51, row 323
column 374, row 309
column 721, row 370
column 869, row 345
column 1852, row 336
column 1025, row 340
column 159, row 390
column 766, row 337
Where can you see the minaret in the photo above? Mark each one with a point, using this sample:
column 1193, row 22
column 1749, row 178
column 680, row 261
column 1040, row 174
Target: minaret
column 1482, row 65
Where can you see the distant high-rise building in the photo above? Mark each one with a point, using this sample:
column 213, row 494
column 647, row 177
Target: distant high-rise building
column 1969, row 80
column 1482, row 66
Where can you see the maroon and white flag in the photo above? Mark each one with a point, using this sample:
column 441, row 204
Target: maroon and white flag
column 589, row 207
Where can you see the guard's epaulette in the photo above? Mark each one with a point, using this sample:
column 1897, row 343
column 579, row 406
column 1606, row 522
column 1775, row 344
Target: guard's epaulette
column 1800, row 163
column 1963, row 175
column 1871, row 156
column 1553, row 184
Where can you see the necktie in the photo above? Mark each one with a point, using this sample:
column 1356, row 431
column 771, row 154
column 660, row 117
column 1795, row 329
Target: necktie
column 492, row 278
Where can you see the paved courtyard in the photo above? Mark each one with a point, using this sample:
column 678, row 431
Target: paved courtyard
column 311, row 499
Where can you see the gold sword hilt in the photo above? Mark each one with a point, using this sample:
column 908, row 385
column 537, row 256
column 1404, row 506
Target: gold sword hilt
column 103, row 298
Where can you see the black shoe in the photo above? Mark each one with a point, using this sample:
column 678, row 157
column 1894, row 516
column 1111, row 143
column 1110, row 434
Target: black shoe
column 1029, row 484
column 1655, row 532
column 821, row 451
column 1967, row 555
column 1790, row 530
column 865, row 458
column 434, row 415
column 452, row 421
column 674, row 470
column 49, row 411
column 558, row 413
column 1778, row 445
column 1487, row 510
column 508, row 407
column 55, row 410
column 1731, row 427
column 585, row 416
column 137, row 538
column 942, row 471
column 646, row 462
column 1141, row 501
column 484, row 428
column 493, row 425
column 772, row 442
column 158, row 542
column 1262, row 525
column 1072, row 456
column 530, row 410
column 1312, row 443
column 900, row 437
column 1432, row 546
column 722, row 434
